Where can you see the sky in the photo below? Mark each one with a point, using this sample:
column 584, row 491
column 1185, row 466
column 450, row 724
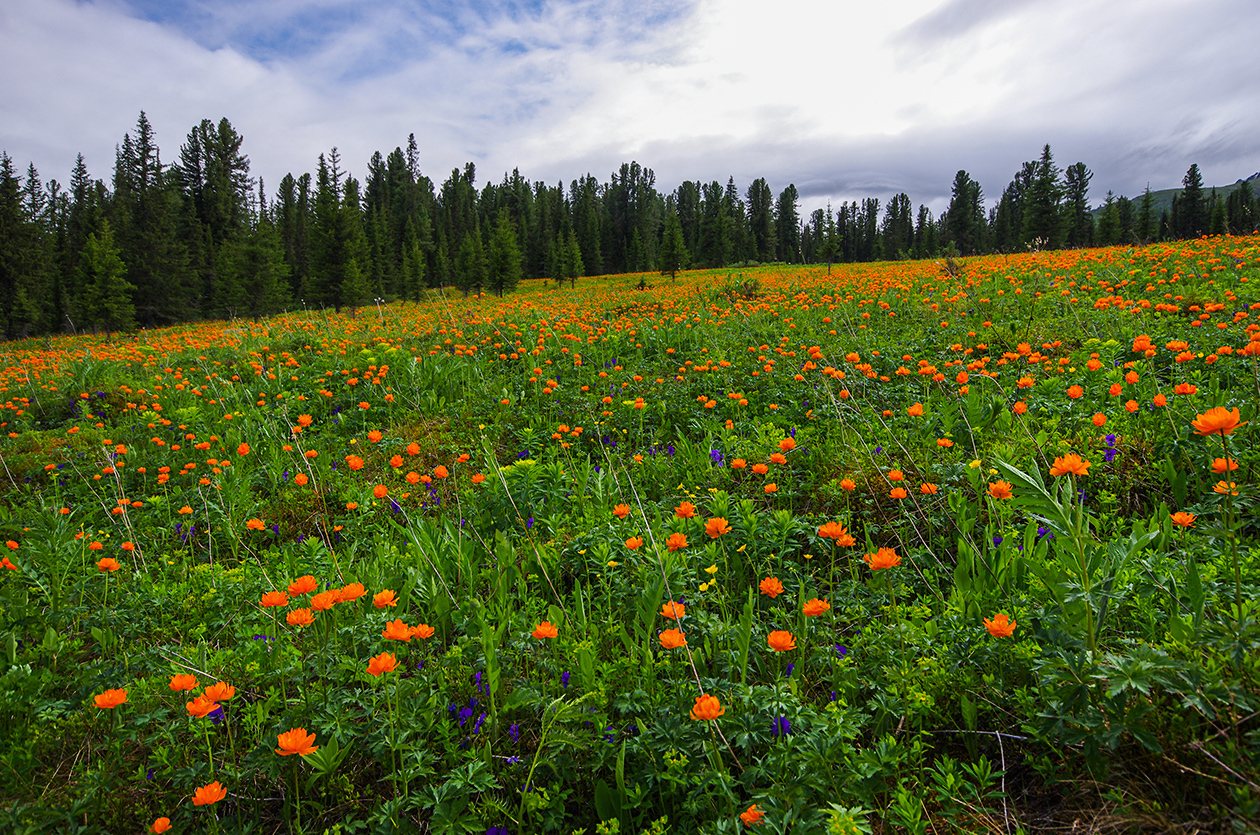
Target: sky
column 844, row 98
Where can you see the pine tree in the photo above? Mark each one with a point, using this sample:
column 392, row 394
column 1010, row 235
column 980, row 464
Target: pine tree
column 964, row 217
column 1146, row 226
column 503, row 256
column 1241, row 210
column 1190, row 213
column 107, row 292
column 470, row 264
column 1043, row 220
column 1077, row 218
column 674, row 255
column 761, row 221
column 788, row 226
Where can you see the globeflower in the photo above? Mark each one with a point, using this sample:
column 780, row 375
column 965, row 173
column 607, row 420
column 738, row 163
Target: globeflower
column 546, row 629
column 209, row 794
column 621, row 511
column 781, row 640
column 160, row 825
column 110, row 699
column 673, row 611
column 302, row 585
column 707, row 708
column 685, row 510
column 184, row 681
column 384, row 598
column 380, row 664
column 1070, row 463
column 838, row 532
column 255, row 524
column 672, row 639
column 752, row 815
column 108, row 564
column 296, row 741
column 1217, row 421
column 676, row 541
column 201, row 706
column 396, row 630
column 220, row 691
column 634, row 543
column 717, row 527
column 300, row 617
column 815, row 607
column 274, row 598
column 883, row 558
column 771, row 587
column 1000, row 626
column 1000, row 490
column 1182, row 519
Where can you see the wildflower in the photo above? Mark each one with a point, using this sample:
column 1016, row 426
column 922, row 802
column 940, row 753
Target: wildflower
column 915, row 410
column 384, row 598
column 1099, row 419
column 1222, row 465
column 380, row 491
column 883, row 558
column 220, row 691
column 778, row 458
column 676, row 541
column 672, row 639
column 1075, row 392
column 545, row 630
column 781, row 640
column 716, row 527
column 441, row 471
column 673, row 611
column 422, row 630
column 300, row 617
column 760, row 469
column 243, row 449
column 255, row 525
column 707, row 708
column 1160, row 401
column 898, row 493
column 787, row 444
column 160, row 825
column 1182, row 519
column 738, row 464
column 352, row 592
column 184, row 681
column 108, row 564
column 1020, row 407
column 771, row 488
column 847, row 484
column 201, row 706
column 836, row 531
column 110, row 699
column 1225, row 488
column 209, row 794
column 752, row 815
column 896, row 475
column 302, row 585
column 305, row 420
column 1000, row 626
column 621, row 511
column 274, row 598
column 944, row 443
column 301, row 480
column 396, row 630
column 1070, row 463
column 296, row 741
column 1000, row 490
column 325, row 600
column 1217, row 421
column 685, row 510
column 815, row 607
column 185, row 510
column 771, row 587
column 381, row 664
column 634, row 543
column 477, row 478
column 927, row 488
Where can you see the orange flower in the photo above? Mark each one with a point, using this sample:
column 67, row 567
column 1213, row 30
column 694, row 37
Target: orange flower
column 274, row 598
column 201, row 706
column 325, row 600
column 396, row 630
column 477, row 478
column 422, row 630
column 676, row 541
column 787, row 444
column 1075, row 391
column 707, row 708
column 752, row 815
column 184, row 681
column 1217, row 421
column 760, row 469
column 1000, row 626
column 255, row 525
column 220, row 691
column 352, row 592
column 110, row 699
column 545, row 630
column 634, row 543
column 302, row 585
column 355, row 462
column 1221, row 465
column 441, row 471
column 838, row 532
column 927, row 488
column 717, row 527
column 1182, row 519
column 300, row 617
column 771, row 587
column 896, row 475
column 621, row 511
column 1225, row 488
column 1020, row 407
column 1000, row 490
column 847, row 484
column 673, row 611
column 296, row 741
column 381, row 664
column 897, row 493
column 685, row 510
column 781, row 640
column 160, row 825
column 771, row 488
column 738, row 464
column 1160, row 400
column 209, row 794
column 380, row 491
column 778, row 458
column 108, row 564
column 1070, row 463
column 301, row 480
column 1099, row 419
column 672, row 639
column 815, row 607
column 384, row 598
column 243, row 449
column 305, row 420
column 915, row 410
column 883, row 558
column 946, row 443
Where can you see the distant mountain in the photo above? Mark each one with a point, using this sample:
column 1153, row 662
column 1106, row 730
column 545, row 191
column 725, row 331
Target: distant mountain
column 1164, row 197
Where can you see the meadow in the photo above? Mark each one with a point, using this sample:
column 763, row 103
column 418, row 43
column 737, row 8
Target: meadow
column 923, row 546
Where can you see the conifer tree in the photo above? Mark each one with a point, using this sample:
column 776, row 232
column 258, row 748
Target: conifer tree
column 503, row 256
column 107, row 293
column 1077, row 218
column 1043, row 220
column 673, row 250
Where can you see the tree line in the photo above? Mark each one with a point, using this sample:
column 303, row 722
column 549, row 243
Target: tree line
column 199, row 237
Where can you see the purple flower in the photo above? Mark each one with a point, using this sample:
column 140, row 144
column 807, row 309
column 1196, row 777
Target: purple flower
column 782, row 727
column 564, row 679
column 514, row 731
column 788, row 672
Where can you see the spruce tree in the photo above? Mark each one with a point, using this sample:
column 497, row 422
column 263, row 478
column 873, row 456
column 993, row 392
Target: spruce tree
column 674, row 253
column 1191, row 212
column 1043, row 221
column 503, row 256
column 1077, row 217
column 107, row 293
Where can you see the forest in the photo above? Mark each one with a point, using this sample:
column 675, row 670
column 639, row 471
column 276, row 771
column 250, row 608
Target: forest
column 199, row 238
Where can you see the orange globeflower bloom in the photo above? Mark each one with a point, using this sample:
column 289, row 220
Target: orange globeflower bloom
column 847, row 484
column 305, row 420
column 621, row 511
column 778, row 458
column 676, row 541
column 274, row 598
column 672, row 639
column 927, row 488
column 209, row 794
column 185, row 510
column 375, row 435
column 1182, row 519
column 325, row 600
column 771, row 488
column 1070, row 463
column 1160, row 400
column 355, row 462
column 752, row 815
column 108, row 564
column 1222, row 465
column 760, row 469
column 634, row 543
column 184, row 681
column 381, row 664
column 707, row 708
column 771, row 587
column 384, row 598
column 1000, row 490
column 781, row 640
column 296, row 741
column 352, row 592
column 1075, row 391
column 898, row 493
column 815, row 607
column 915, row 410
column 160, row 825
column 673, row 611
column 396, row 630
column 716, row 527
column 1217, row 421
column 546, row 629
column 220, row 691
column 738, row 464
column 422, row 630
column 301, row 480
column 1099, row 419
column 110, row 699
column 243, row 449
column 380, row 491
column 440, row 471
column 1000, row 626
column 838, row 532
column 300, row 617
column 685, row 510
column 896, row 475
column 787, row 444
column 1225, row 488
column 883, row 558
column 945, row 443
column 255, row 525
column 201, row 706
column 477, row 478
column 302, row 585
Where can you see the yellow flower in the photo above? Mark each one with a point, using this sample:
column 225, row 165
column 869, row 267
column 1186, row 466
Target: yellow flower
column 711, row 569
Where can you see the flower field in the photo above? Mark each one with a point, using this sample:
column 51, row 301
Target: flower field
column 903, row 547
